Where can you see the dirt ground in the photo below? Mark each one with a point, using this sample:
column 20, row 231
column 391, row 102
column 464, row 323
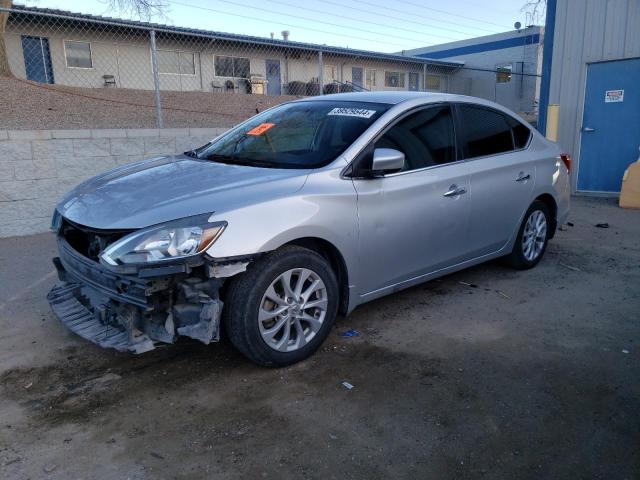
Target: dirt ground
column 33, row 106
column 487, row 373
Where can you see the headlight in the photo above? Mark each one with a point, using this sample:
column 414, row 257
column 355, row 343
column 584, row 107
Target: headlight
column 165, row 242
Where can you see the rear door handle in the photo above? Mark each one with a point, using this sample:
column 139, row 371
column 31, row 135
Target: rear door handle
column 454, row 191
column 523, row 178
column 588, row 129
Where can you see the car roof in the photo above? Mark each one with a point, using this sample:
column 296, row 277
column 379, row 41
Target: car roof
column 389, row 97
column 410, row 99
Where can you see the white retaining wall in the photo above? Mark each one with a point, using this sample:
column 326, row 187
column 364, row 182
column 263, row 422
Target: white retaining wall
column 37, row 167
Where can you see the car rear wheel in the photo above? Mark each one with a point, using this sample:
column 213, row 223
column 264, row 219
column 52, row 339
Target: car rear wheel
column 282, row 308
column 532, row 238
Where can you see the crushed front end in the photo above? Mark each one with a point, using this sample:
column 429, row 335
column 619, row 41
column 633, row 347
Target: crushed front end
column 134, row 308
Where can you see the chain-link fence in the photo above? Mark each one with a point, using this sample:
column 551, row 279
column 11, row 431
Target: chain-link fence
column 117, row 73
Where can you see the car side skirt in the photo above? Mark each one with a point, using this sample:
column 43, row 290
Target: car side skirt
column 381, row 292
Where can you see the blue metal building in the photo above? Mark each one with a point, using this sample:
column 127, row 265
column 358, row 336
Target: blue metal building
column 591, row 69
column 503, row 67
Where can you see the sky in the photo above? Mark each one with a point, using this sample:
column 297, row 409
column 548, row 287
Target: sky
column 379, row 25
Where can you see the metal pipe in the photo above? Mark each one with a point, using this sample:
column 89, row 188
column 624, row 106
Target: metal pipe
column 119, row 84
column 156, row 79
column 320, row 72
column 424, row 77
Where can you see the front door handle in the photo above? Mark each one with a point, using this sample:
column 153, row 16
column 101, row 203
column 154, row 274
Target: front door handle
column 454, row 191
column 522, row 177
column 588, row 129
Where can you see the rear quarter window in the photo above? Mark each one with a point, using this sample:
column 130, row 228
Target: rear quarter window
column 521, row 134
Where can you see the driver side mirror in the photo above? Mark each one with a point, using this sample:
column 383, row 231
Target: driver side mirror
column 387, row 160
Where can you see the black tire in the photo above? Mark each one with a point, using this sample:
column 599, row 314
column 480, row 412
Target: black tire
column 245, row 292
column 516, row 258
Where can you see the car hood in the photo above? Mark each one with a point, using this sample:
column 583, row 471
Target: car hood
column 167, row 188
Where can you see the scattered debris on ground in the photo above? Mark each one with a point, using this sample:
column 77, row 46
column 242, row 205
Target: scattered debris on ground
column 575, row 269
column 350, row 333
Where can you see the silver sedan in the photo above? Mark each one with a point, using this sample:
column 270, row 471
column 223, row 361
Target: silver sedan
column 302, row 212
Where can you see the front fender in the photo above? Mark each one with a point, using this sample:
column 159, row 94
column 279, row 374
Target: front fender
column 267, row 226
column 325, row 208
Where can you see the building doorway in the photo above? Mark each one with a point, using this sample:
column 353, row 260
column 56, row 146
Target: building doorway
column 356, row 76
column 610, row 133
column 414, row 81
column 274, row 83
column 37, row 59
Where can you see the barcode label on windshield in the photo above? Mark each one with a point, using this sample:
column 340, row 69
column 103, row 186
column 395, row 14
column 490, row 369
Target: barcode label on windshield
column 352, row 112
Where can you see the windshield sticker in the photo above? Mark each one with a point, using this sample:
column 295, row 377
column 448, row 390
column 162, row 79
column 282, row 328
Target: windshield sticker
column 352, row 112
column 260, row 129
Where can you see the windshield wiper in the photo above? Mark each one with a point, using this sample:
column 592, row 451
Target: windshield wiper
column 195, row 152
column 231, row 160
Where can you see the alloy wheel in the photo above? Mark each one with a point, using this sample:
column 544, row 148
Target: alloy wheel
column 534, row 235
column 292, row 309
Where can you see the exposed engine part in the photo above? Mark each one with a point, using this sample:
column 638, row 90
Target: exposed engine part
column 198, row 309
column 134, row 313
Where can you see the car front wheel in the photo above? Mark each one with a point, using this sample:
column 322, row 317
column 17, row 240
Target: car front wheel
column 282, row 308
column 532, row 238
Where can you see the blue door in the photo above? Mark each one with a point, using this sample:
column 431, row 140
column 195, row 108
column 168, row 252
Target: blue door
column 37, row 59
column 610, row 126
column 274, row 86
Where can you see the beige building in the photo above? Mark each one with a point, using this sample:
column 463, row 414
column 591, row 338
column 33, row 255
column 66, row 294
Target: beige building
column 65, row 48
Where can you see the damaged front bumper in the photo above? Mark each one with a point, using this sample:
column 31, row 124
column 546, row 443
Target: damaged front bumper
column 136, row 312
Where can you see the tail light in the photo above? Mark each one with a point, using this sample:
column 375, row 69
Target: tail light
column 566, row 159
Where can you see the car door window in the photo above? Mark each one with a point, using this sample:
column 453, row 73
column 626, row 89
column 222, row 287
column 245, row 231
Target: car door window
column 486, row 131
column 425, row 137
column 521, row 133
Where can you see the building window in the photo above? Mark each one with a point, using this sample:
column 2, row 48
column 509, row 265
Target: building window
column 237, row 67
column 330, row 73
column 176, row 63
column 503, row 73
column 394, row 79
column 187, row 63
column 433, row 82
column 370, row 79
column 78, row 54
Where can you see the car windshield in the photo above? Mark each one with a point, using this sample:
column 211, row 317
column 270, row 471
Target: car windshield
column 305, row 134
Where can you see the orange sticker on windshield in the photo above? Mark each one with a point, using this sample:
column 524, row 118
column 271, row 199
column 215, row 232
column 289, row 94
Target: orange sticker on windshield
column 260, row 129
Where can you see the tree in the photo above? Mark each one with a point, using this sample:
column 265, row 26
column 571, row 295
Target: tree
column 141, row 9
column 535, row 11
column 5, row 69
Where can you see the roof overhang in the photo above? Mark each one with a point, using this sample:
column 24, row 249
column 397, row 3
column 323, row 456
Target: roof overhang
column 47, row 14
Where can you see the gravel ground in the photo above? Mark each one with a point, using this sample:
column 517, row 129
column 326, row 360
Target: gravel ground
column 35, row 106
column 487, row 373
